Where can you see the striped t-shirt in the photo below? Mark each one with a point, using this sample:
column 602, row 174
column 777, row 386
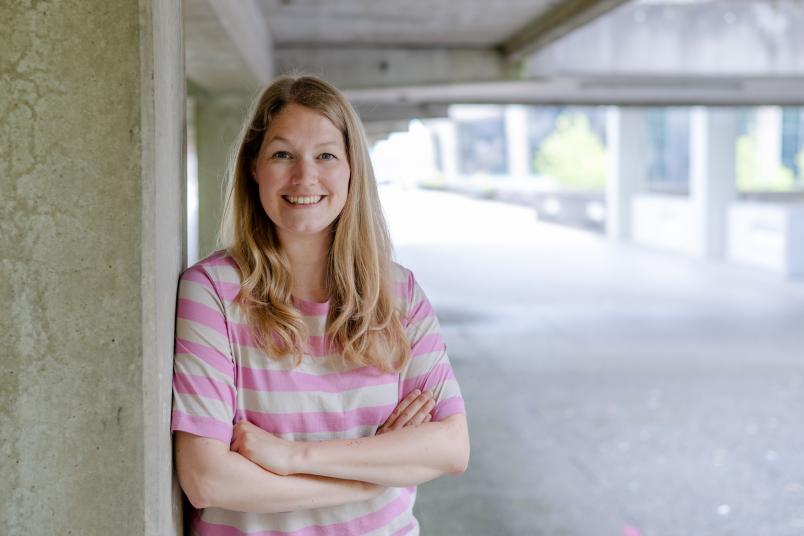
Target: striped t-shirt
column 221, row 377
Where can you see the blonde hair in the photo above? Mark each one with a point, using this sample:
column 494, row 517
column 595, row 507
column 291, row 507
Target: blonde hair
column 363, row 321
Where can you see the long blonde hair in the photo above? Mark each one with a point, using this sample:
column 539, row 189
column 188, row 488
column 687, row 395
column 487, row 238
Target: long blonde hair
column 363, row 320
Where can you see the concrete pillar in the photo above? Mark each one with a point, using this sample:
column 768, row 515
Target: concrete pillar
column 769, row 141
column 712, row 176
column 516, row 139
column 218, row 120
column 446, row 132
column 91, row 216
column 626, row 143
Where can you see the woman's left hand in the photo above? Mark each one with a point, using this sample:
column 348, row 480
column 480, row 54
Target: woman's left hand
column 263, row 448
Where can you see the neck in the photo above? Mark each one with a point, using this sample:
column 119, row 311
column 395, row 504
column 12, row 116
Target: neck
column 308, row 261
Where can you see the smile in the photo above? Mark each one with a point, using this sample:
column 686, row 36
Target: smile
column 303, row 200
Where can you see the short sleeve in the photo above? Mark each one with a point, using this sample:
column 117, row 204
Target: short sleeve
column 429, row 367
column 204, row 396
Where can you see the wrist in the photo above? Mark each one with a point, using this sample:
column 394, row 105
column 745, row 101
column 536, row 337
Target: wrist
column 299, row 454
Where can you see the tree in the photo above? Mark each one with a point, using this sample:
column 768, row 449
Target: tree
column 749, row 173
column 573, row 154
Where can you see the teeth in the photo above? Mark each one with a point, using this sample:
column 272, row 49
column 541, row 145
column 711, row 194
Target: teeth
column 307, row 200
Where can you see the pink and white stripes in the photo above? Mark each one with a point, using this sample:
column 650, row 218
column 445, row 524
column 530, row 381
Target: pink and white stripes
column 221, row 376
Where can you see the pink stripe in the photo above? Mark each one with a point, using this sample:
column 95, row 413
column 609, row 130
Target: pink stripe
column 219, row 258
column 203, row 314
column 401, row 289
column 228, row 291
column 197, row 274
column 429, row 380
column 294, row 381
column 317, row 421
column 410, row 288
column 207, row 354
column 317, row 345
column 446, row 408
column 320, row 346
column 359, row 525
column 193, row 384
column 422, row 310
column 407, row 529
column 201, row 426
column 427, row 344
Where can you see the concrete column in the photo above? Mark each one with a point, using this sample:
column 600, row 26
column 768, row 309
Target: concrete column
column 625, row 135
column 516, row 139
column 447, row 135
column 91, row 227
column 712, row 176
column 769, row 141
column 218, row 123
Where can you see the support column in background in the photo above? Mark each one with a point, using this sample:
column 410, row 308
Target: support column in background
column 91, row 234
column 626, row 147
column 446, row 133
column 769, row 141
column 218, row 121
column 712, row 176
column 516, row 141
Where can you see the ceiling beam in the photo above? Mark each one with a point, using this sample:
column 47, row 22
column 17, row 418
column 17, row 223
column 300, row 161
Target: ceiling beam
column 556, row 22
column 244, row 23
column 359, row 66
column 623, row 90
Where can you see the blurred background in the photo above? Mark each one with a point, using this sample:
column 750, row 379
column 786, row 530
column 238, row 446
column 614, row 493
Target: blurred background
column 605, row 202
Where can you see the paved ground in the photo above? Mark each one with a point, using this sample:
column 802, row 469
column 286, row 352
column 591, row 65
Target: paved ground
column 611, row 390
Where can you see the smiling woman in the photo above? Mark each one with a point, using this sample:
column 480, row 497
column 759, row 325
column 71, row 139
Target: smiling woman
column 312, row 390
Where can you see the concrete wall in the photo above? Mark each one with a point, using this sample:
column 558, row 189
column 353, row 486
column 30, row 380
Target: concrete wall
column 88, row 143
column 217, row 123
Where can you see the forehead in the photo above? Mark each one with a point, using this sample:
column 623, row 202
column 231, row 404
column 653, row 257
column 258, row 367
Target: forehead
column 301, row 125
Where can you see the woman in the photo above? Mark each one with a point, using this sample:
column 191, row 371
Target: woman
column 312, row 391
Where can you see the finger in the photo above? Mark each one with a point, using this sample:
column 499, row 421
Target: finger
column 422, row 415
column 401, row 407
column 410, row 411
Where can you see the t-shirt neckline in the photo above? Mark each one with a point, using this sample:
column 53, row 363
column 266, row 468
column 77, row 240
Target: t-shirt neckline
column 307, row 307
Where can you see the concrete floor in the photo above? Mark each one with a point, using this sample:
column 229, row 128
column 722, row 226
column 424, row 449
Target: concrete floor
column 611, row 390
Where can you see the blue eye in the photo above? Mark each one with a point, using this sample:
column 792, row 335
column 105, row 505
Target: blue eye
column 327, row 156
column 282, row 155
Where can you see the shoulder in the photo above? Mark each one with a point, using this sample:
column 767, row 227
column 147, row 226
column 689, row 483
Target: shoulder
column 217, row 272
column 404, row 283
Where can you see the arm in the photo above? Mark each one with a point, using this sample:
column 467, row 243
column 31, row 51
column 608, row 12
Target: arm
column 402, row 457
column 213, row 476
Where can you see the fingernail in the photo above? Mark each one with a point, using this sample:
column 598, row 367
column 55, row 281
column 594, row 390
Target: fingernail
column 416, row 392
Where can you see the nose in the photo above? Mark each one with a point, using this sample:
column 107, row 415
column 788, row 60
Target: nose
column 306, row 172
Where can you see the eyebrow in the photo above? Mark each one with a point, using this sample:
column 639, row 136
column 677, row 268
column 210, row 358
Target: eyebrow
column 280, row 138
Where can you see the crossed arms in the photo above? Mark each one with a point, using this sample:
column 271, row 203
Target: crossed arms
column 263, row 473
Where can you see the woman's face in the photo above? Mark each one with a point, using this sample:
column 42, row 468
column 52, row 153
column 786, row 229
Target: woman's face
column 303, row 173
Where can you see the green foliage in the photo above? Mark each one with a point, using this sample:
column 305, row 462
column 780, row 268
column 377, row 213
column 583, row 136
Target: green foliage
column 749, row 173
column 573, row 154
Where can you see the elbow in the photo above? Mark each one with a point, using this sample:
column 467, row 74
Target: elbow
column 459, row 437
column 460, row 461
column 196, row 489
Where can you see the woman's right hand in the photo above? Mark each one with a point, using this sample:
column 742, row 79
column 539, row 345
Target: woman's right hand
column 413, row 410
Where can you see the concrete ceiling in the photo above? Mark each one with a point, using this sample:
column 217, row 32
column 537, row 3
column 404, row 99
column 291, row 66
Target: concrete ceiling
column 412, row 23
column 410, row 59
column 373, row 43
